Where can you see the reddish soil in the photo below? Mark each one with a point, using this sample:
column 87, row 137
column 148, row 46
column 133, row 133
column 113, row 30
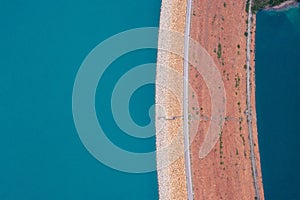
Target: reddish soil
column 225, row 173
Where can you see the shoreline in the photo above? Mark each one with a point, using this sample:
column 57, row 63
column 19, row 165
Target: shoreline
column 171, row 173
column 283, row 6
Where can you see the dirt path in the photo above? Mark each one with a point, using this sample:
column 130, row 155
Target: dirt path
column 186, row 102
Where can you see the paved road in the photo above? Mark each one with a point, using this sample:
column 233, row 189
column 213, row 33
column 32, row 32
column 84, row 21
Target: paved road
column 185, row 102
column 248, row 101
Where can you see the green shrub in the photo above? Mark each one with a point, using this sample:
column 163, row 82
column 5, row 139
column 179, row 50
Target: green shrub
column 219, row 51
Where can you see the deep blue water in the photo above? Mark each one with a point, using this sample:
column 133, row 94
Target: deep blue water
column 42, row 45
column 277, row 96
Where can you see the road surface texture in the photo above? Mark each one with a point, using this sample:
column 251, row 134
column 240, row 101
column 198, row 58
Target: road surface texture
column 186, row 102
column 248, row 111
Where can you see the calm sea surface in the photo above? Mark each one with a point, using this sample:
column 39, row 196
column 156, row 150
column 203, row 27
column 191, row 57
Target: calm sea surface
column 42, row 45
column 278, row 97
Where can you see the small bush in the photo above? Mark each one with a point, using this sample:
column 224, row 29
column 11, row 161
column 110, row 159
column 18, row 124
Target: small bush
column 219, row 51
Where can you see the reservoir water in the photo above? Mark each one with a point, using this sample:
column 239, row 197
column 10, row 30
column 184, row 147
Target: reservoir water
column 42, row 45
column 277, row 96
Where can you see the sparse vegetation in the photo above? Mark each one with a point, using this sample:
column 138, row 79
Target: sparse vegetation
column 214, row 19
column 239, row 106
column 240, row 122
column 247, row 6
column 221, row 142
column 243, row 139
column 219, row 53
column 221, row 147
column 237, row 80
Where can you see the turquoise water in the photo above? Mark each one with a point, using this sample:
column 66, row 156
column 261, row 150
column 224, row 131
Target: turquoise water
column 43, row 44
column 139, row 105
column 277, row 95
